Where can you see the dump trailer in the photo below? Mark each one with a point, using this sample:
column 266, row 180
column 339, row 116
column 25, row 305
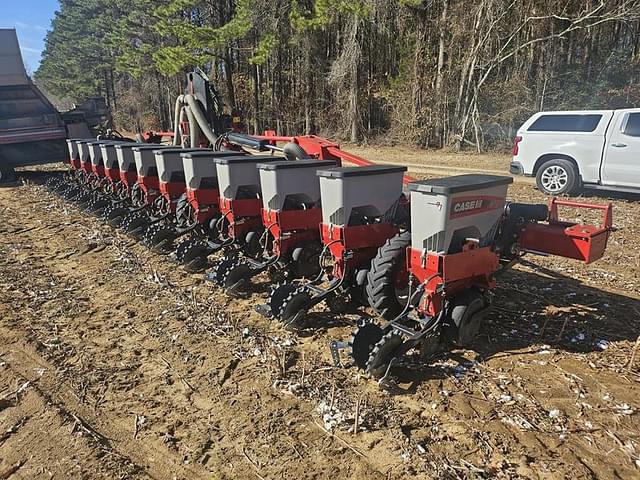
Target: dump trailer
column 32, row 131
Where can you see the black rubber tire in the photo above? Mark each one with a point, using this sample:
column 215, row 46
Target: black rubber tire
column 308, row 263
column 463, row 310
column 7, row 173
column 380, row 287
column 182, row 211
column 251, row 244
column 573, row 184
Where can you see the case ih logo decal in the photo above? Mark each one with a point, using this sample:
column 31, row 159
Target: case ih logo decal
column 463, row 206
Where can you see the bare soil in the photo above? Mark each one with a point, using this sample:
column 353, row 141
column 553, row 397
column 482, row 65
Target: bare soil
column 114, row 363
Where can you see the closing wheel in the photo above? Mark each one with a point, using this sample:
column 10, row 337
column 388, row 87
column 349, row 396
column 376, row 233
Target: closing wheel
column 362, row 342
column 83, row 198
column 277, row 297
column 161, row 239
column 135, row 225
column 52, row 183
column 71, row 192
column 295, row 308
column 96, row 205
column 382, row 354
column 236, row 277
column 387, row 287
column 220, row 270
column 62, row 185
column 113, row 215
column 192, row 254
column 127, row 219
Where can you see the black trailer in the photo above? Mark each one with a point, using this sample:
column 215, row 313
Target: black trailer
column 32, row 132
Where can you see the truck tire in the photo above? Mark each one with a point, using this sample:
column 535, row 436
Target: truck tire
column 387, row 268
column 558, row 177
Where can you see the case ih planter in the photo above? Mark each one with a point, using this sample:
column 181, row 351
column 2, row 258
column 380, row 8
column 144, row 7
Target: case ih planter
column 123, row 188
column 291, row 215
column 240, row 224
column 425, row 264
column 102, row 178
column 426, row 269
column 463, row 234
column 70, row 184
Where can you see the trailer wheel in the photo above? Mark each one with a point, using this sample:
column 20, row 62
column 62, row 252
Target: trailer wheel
column 558, row 177
column 388, row 279
column 7, row 174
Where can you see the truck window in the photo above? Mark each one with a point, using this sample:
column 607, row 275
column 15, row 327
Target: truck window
column 633, row 125
column 566, row 123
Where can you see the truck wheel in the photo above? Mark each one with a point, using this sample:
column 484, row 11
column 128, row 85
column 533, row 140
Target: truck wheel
column 558, row 177
column 388, row 280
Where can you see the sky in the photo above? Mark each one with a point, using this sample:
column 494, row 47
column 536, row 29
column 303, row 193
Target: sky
column 31, row 19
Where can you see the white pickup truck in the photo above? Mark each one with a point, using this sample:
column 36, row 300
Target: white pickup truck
column 567, row 151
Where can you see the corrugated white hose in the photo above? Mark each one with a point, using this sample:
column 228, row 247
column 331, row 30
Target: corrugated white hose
column 194, row 129
column 177, row 118
column 181, row 117
column 201, row 120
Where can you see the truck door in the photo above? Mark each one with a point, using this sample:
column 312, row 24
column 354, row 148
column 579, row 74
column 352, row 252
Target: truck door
column 621, row 164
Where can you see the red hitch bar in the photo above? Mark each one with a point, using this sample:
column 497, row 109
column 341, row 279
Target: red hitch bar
column 565, row 239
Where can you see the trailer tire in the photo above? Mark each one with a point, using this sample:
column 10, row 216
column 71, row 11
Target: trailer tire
column 7, row 174
column 381, row 288
column 558, row 177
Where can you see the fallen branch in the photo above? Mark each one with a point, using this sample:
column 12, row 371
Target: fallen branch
column 344, row 442
column 632, row 360
column 6, row 473
column 253, row 464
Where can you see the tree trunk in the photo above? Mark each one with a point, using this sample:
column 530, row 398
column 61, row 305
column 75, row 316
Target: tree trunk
column 228, row 74
column 256, row 99
column 354, row 88
column 440, row 134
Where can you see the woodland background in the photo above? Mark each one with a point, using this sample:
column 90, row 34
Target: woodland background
column 438, row 73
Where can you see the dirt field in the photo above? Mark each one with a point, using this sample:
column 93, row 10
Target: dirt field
column 114, row 363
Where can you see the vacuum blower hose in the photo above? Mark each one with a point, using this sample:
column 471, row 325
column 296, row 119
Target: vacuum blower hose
column 293, row 151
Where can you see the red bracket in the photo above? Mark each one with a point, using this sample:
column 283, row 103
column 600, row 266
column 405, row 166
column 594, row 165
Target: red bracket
column 570, row 240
